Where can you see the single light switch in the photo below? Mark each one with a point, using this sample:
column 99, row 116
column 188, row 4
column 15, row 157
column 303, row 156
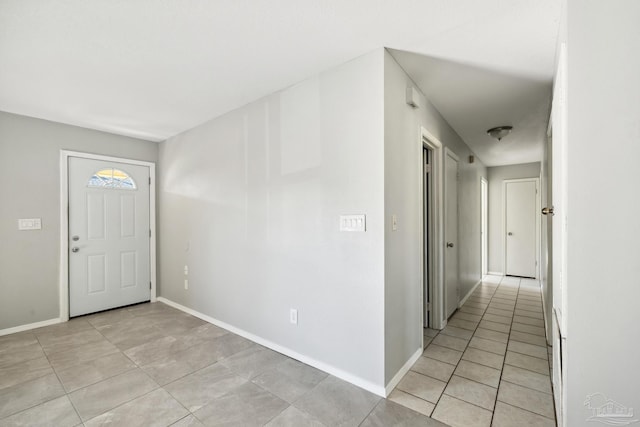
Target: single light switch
column 29, row 224
column 353, row 223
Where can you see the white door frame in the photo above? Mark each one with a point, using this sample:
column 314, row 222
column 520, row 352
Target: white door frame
column 454, row 156
column 504, row 222
column 436, row 243
column 484, row 226
column 64, row 222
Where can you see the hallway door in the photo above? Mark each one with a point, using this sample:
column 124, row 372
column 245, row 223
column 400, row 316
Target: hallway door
column 109, row 235
column 521, row 216
column 451, row 276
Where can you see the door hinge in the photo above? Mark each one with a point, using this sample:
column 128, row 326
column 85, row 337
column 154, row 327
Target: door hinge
column 428, row 306
column 427, row 168
column 149, row 180
column 149, row 232
column 149, row 285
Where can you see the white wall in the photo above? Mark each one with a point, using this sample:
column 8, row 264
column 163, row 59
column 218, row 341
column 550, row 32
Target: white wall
column 496, row 176
column 603, row 207
column 403, row 197
column 250, row 201
column 30, row 173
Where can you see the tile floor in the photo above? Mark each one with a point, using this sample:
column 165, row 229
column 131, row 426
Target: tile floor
column 490, row 365
column 153, row 365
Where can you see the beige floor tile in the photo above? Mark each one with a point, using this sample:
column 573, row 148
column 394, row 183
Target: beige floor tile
column 524, row 361
column 93, row 371
column 433, row 368
column 430, row 332
column 472, row 392
column 25, row 371
column 532, row 314
column 492, row 335
column 467, row 316
column 424, row 387
column 412, row 402
column 528, row 338
column 528, row 321
column 479, row 373
column 499, row 327
column 458, row 413
column 442, row 354
column 526, row 398
column 497, row 319
column 471, row 310
column 488, row 345
column 457, row 332
column 527, row 378
column 528, row 349
column 499, row 312
column 464, row 324
column 510, row 416
column 450, row 342
column 28, row 394
column 483, row 357
column 529, row 329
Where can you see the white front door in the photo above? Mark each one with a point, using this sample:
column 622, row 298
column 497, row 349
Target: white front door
column 450, row 233
column 109, row 235
column 520, row 225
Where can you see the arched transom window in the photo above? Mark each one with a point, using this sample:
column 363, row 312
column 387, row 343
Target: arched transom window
column 112, row 178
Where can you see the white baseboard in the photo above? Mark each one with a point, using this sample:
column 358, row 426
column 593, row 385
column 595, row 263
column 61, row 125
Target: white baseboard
column 29, row 326
column 401, row 373
column 336, row 372
column 495, row 273
column 466, row 297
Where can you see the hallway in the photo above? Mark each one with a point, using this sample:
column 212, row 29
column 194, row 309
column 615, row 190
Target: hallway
column 490, row 365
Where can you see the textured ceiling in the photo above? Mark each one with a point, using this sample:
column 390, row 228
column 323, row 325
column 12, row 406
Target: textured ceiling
column 154, row 68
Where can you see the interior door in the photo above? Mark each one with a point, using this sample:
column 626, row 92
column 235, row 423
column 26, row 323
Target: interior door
column 520, row 225
column 109, row 235
column 450, row 233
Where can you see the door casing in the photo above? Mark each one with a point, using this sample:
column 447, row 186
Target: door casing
column 435, row 242
column 504, row 222
column 64, row 223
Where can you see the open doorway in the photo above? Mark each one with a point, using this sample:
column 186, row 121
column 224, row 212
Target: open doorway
column 432, row 214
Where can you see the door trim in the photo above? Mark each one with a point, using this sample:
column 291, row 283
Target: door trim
column 504, row 222
column 484, row 226
column 64, row 223
column 436, row 283
column 454, row 156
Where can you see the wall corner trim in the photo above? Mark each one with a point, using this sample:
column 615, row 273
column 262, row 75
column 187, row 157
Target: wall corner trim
column 29, row 326
column 466, row 297
column 332, row 370
column 401, row 373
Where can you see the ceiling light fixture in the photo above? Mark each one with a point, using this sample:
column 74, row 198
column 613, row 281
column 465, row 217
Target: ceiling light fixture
column 499, row 132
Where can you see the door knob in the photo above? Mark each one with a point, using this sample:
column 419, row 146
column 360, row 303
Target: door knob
column 75, row 249
column 449, row 244
column 547, row 211
column 75, row 238
column 509, row 234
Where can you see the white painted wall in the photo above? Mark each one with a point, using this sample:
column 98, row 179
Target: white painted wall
column 603, row 206
column 250, row 201
column 496, row 177
column 30, row 173
column 403, row 197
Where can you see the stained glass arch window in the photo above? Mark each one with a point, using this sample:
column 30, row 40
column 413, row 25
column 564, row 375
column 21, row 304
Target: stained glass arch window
column 112, row 178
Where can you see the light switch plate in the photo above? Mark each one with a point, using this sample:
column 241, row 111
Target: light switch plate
column 29, row 224
column 353, row 223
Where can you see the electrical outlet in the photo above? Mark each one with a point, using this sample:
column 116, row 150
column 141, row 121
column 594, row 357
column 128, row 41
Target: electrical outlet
column 186, row 284
column 293, row 316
